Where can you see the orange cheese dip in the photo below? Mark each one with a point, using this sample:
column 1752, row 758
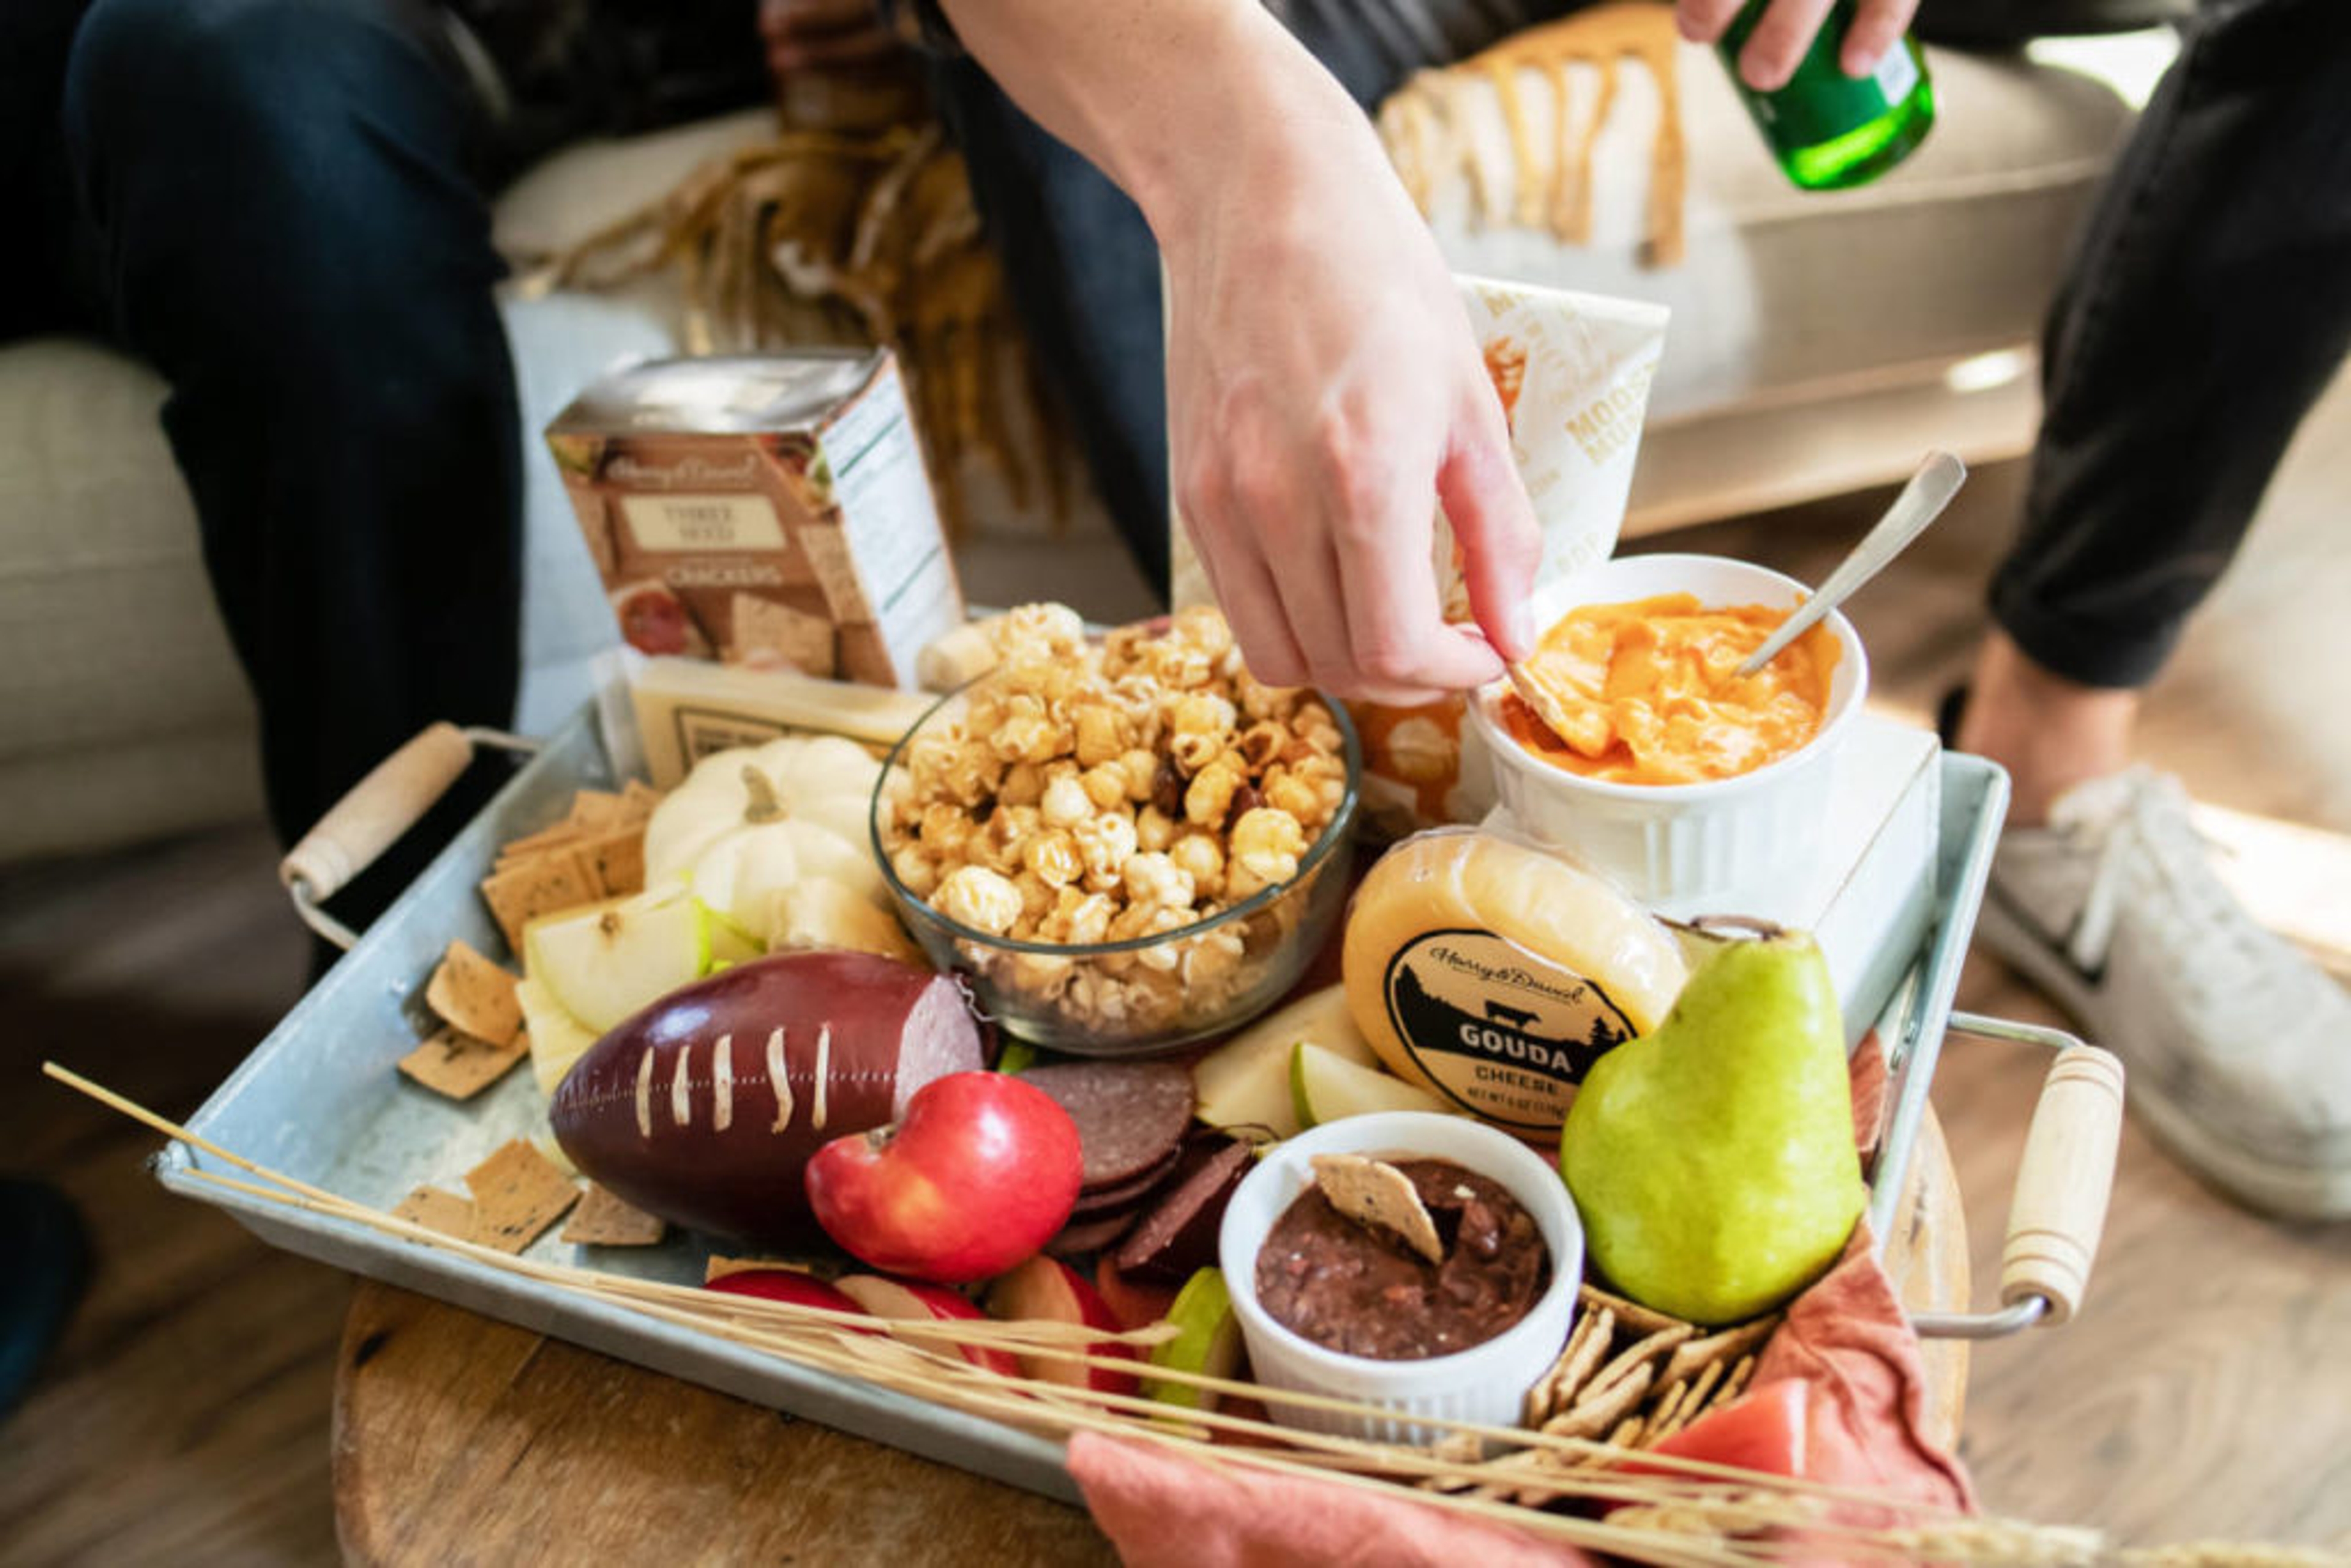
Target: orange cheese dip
column 1653, row 688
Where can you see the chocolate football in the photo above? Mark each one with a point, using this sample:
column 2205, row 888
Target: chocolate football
column 704, row 1108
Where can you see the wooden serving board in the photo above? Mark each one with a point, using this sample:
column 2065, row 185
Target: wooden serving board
column 458, row 1440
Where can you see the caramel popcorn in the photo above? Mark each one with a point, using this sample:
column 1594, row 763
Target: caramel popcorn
column 1092, row 793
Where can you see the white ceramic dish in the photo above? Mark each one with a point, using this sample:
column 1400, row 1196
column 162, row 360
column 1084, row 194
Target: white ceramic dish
column 1486, row 1383
column 1677, row 843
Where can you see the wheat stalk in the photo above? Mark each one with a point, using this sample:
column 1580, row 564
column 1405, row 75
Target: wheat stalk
column 1694, row 1516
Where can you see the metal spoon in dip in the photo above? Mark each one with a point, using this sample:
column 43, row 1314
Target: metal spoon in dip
column 1921, row 502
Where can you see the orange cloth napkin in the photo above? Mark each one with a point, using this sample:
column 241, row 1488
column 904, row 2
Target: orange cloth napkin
column 1846, row 1337
column 1162, row 1510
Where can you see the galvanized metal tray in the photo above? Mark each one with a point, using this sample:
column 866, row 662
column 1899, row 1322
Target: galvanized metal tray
column 319, row 1101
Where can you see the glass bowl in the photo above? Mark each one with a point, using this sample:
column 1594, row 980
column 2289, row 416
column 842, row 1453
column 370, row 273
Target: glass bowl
column 1149, row 994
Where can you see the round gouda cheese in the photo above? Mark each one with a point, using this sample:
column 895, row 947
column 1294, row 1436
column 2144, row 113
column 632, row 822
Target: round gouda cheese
column 1494, row 974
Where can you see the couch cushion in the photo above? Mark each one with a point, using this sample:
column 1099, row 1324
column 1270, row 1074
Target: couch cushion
column 1955, row 253
column 108, row 627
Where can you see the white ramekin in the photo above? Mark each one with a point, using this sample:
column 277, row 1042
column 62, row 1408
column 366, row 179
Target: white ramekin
column 1680, row 843
column 1486, row 1383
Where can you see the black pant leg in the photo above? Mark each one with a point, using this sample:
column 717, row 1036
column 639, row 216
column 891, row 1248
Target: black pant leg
column 37, row 292
column 2208, row 310
column 286, row 220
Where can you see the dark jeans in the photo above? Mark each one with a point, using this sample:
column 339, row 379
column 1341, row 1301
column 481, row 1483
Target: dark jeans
column 276, row 203
column 2210, row 304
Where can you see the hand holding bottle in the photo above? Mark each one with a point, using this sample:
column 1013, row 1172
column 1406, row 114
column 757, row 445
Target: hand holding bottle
column 1783, row 34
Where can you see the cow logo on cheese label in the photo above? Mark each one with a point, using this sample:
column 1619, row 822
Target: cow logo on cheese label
column 1504, row 1034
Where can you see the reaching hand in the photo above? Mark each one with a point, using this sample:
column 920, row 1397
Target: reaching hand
column 1780, row 40
column 1324, row 390
column 1325, row 393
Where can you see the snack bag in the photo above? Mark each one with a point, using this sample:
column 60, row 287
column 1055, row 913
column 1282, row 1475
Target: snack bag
column 1573, row 374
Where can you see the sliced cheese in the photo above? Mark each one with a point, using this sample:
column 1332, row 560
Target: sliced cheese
column 1494, row 974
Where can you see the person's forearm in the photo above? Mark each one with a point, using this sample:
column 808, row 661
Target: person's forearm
column 1165, row 97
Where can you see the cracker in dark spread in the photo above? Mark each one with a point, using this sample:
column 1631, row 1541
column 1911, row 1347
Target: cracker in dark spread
column 1358, row 1290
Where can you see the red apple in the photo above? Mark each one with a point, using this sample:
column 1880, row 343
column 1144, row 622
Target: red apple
column 1134, row 1303
column 913, row 1299
column 980, row 1172
column 784, row 1285
column 1048, row 1288
column 1765, row 1428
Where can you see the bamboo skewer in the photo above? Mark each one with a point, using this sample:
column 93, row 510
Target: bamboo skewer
column 702, row 1311
column 1672, row 1519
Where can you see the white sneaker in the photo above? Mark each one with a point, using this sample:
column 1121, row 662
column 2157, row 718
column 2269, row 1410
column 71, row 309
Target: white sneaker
column 2238, row 1048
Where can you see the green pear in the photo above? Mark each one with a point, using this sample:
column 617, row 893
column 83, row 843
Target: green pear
column 1712, row 1159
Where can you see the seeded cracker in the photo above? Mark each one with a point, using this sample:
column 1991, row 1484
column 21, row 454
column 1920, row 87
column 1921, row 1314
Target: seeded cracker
column 617, row 859
column 543, row 886
column 1372, row 1193
column 594, row 812
column 474, row 996
column 638, row 800
column 603, row 1221
column 460, row 1067
column 437, row 1211
column 547, row 840
column 517, row 1194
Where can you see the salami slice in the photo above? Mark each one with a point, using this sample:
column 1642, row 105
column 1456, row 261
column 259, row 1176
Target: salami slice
column 1129, row 1115
column 1179, row 1234
column 1088, row 1236
column 1128, row 1193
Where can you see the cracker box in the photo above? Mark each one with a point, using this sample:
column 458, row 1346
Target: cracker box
column 768, row 511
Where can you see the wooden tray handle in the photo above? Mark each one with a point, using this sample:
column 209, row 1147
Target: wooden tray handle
column 2063, row 1183
column 370, row 820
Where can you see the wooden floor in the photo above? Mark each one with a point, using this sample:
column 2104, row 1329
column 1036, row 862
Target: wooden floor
column 2205, row 1393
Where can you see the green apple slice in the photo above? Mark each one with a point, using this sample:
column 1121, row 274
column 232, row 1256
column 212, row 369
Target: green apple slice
column 730, row 944
column 557, row 1039
column 1245, row 1082
column 1207, row 1340
column 1325, row 1086
column 600, row 964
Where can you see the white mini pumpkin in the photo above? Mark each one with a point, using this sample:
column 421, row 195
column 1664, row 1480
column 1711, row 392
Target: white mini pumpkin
column 775, row 838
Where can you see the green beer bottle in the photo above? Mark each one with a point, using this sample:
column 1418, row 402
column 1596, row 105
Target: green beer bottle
column 1828, row 129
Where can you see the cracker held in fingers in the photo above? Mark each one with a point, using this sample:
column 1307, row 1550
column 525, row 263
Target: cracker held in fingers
column 1372, row 1193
